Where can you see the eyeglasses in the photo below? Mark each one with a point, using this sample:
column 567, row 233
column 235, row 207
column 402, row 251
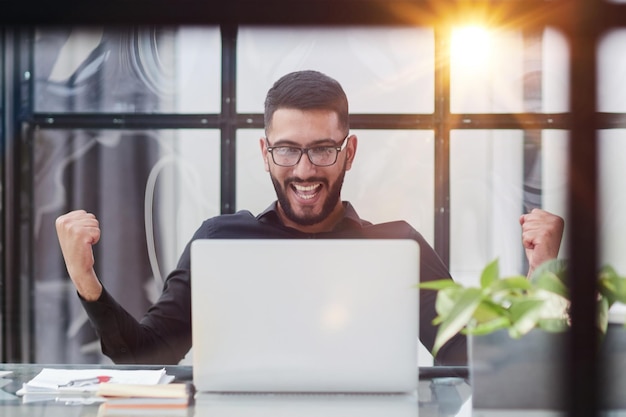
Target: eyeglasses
column 321, row 156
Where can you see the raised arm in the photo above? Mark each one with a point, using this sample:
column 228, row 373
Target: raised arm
column 78, row 231
column 541, row 236
column 162, row 336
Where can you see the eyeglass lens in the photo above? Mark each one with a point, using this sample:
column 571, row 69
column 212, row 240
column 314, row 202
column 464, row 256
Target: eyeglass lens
column 321, row 156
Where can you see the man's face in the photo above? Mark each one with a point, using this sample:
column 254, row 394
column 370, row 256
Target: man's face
column 308, row 195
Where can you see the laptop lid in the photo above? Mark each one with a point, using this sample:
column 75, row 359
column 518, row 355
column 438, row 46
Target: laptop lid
column 305, row 315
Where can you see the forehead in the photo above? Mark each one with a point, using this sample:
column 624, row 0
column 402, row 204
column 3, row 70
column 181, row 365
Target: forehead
column 304, row 124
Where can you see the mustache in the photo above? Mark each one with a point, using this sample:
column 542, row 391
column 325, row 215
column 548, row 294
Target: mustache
column 291, row 180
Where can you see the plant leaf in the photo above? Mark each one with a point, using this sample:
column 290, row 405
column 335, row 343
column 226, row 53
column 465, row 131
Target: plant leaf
column 525, row 314
column 439, row 284
column 487, row 311
column 515, row 302
column 603, row 314
column 490, row 274
column 553, row 325
column 514, row 283
column 445, row 302
column 458, row 316
column 612, row 286
column 488, row 326
column 549, row 281
column 553, row 266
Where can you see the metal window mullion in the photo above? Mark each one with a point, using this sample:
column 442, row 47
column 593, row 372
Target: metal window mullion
column 228, row 120
column 582, row 356
column 26, row 177
column 442, row 146
column 124, row 121
column 17, row 216
column 3, row 192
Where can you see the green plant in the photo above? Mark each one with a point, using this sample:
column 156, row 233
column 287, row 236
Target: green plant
column 516, row 303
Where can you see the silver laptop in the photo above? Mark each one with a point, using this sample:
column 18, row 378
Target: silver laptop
column 305, row 315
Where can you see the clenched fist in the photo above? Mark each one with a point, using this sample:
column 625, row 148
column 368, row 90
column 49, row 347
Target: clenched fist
column 78, row 231
column 541, row 236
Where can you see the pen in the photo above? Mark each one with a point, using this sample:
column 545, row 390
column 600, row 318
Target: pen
column 87, row 381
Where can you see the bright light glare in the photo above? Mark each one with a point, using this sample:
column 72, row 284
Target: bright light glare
column 470, row 47
column 335, row 317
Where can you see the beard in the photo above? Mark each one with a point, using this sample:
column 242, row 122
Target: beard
column 309, row 219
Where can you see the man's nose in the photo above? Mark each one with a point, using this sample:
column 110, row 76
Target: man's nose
column 304, row 165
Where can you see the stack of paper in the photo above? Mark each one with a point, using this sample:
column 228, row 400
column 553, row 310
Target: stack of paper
column 128, row 397
column 82, row 385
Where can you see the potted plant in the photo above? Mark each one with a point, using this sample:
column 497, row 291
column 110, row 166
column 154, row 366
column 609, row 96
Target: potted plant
column 516, row 329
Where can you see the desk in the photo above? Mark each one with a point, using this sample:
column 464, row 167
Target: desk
column 442, row 392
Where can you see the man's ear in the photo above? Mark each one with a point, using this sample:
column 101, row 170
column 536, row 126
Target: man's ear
column 351, row 150
column 264, row 154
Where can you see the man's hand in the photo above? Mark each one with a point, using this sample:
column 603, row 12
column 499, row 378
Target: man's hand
column 541, row 236
column 78, row 231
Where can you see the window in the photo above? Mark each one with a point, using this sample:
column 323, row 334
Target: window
column 514, row 115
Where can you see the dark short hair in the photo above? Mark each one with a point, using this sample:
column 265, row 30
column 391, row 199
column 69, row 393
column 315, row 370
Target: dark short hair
column 307, row 90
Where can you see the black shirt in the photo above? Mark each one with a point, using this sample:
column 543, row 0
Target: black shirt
column 163, row 335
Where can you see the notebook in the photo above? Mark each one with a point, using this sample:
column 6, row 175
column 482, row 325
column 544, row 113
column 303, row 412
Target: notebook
column 305, row 315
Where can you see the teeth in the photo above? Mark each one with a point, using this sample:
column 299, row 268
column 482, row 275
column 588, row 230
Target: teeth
column 306, row 192
column 305, row 187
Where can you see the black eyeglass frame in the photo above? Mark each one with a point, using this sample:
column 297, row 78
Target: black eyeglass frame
column 337, row 148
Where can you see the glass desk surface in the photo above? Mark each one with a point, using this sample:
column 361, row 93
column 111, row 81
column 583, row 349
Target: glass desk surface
column 442, row 392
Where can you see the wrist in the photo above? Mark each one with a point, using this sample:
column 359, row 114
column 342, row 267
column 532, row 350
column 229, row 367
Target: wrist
column 88, row 287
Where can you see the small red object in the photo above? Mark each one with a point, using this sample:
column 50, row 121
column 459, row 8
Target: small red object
column 87, row 381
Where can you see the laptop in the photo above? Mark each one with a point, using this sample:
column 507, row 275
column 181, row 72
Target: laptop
column 305, row 315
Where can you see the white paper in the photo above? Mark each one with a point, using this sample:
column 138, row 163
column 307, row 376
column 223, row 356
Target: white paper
column 51, row 380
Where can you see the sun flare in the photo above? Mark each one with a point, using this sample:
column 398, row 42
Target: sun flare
column 470, row 47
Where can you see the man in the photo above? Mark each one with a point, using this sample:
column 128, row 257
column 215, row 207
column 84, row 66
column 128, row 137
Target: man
column 307, row 150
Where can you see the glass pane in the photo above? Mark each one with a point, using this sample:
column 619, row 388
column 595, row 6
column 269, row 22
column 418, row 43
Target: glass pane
column 489, row 174
column 382, row 69
column 149, row 189
column 554, row 154
column 555, row 67
column 612, row 222
column 254, row 186
column 611, row 71
column 612, row 239
column 130, row 70
column 391, row 179
column 504, row 71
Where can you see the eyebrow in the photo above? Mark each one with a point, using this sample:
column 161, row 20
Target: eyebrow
column 317, row 142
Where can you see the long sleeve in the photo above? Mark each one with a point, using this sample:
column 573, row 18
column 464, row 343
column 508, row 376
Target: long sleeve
column 454, row 352
column 163, row 336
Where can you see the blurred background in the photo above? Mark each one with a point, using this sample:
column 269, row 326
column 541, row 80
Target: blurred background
column 156, row 128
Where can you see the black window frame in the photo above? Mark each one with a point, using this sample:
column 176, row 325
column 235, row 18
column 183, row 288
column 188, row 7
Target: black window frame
column 582, row 21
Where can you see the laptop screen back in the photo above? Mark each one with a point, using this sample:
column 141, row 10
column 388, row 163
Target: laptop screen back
column 305, row 315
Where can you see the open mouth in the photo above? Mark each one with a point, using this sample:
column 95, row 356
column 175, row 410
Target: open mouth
column 306, row 192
